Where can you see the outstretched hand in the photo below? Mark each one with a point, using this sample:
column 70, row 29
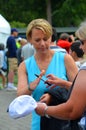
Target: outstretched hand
column 55, row 81
column 37, row 80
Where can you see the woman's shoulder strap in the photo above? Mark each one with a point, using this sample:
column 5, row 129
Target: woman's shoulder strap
column 83, row 67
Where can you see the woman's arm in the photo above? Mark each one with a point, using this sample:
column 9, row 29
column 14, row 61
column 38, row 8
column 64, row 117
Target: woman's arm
column 76, row 104
column 55, row 81
column 71, row 67
column 22, row 81
column 23, row 86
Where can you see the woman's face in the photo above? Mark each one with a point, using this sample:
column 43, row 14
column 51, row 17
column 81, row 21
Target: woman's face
column 40, row 41
column 83, row 46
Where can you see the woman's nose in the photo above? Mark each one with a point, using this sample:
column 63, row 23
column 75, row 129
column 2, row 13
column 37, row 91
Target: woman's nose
column 42, row 42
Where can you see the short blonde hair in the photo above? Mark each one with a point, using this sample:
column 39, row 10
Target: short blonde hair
column 23, row 41
column 41, row 24
column 81, row 32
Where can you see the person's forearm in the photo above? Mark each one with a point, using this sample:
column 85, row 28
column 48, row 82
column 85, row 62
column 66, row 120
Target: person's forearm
column 61, row 112
column 23, row 90
column 64, row 111
column 66, row 84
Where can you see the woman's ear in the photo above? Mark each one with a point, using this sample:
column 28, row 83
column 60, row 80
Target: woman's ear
column 29, row 40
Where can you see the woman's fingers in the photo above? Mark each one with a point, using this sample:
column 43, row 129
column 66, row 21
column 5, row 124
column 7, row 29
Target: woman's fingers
column 42, row 73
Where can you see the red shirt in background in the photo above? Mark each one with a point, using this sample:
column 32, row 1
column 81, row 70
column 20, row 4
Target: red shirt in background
column 64, row 44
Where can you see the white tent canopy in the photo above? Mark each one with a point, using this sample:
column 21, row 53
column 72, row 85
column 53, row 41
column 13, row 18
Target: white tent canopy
column 5, row 30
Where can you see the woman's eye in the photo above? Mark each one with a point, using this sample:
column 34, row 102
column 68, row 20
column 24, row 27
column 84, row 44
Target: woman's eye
column 45, row 39
column 37, row 40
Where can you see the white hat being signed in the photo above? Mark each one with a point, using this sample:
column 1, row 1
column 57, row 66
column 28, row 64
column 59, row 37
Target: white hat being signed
column 21, row 106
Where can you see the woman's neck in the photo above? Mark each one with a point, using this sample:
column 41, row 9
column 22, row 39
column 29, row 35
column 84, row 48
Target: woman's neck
column 41, row 56
column 43, row 60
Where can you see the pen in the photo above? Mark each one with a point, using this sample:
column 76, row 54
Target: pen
column 43, row 80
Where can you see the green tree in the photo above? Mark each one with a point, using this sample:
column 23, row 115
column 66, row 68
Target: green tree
column 71, row 13
column 59, row 13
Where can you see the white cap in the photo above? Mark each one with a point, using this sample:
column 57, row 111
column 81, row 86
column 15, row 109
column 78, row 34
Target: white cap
column 19, row 39
column 21, row 106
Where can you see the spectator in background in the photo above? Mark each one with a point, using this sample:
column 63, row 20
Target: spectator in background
column 12, row 58
column 18, row 45
column 77, row 53
column 3, row 64
column 23, row 42
column 27, row 51
column 64, row 41
column 53, row 42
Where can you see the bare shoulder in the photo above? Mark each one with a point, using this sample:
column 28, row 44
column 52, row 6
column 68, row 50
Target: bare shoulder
column 68, row 58
column 81, row 78
column 21, row 67
column 69, row 61
column 71, row 67
column 80, row 83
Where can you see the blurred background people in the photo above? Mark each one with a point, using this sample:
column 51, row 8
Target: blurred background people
column 77, row 53
column 53, row 42
column 27, row 51
column 23, row 42
column 3, row 65
column 18, row 45
column 64, row 41
column 12, row 58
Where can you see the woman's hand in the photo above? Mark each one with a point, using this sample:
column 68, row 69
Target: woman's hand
column 40, row 108
column 36, row 82
column 46, row 98
column 55, row 81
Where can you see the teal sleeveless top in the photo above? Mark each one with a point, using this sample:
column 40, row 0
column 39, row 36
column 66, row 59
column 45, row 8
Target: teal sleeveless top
column 56, row 67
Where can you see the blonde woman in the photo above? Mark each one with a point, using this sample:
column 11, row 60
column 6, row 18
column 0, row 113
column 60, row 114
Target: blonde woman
column 44, row 61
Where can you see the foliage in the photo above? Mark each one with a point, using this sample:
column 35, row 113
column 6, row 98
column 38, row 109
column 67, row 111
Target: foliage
column 71, row 13
column 17, row 24
column 64, row 12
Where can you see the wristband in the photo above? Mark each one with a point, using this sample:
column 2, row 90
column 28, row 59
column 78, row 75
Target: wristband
column 30, row 88
column 46, row 115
